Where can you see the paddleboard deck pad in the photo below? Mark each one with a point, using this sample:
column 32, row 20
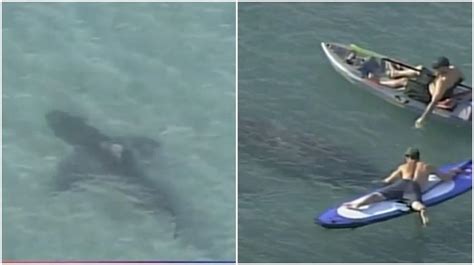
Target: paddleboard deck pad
column 436, row 192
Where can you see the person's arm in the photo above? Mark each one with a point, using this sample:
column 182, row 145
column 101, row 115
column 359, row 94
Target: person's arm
column 395, row 174
column 445, row 175
column 434, row 100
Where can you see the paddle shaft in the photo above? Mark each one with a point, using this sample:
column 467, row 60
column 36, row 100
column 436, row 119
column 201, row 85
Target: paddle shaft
column 416, row 69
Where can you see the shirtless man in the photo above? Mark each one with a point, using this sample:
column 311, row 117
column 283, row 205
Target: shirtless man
column 426, row 86
column 405, row 184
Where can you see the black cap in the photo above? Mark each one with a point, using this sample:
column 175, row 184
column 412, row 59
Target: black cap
column 412, row 153
column 441, row 62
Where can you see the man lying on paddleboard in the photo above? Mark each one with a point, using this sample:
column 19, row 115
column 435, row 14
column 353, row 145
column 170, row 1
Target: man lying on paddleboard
column 427, row 86
column 405, row 184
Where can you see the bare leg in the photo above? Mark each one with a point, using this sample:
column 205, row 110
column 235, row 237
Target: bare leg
column 394, row 73
column 394, row 83
column 448, row 175
column 369, row 199
column 424, row 218
column 419, row 207
column 403, row 73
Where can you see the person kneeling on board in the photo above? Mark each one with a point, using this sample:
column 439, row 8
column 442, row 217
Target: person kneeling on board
column 427, row 86
column 405, row 184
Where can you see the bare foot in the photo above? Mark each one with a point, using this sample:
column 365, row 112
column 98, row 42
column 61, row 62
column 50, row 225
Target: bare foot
column 373, row 78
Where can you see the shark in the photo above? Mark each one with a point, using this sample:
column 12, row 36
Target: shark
column 97, row 155
column 299, row 154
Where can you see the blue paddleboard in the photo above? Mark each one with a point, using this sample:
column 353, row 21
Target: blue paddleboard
column 437, row 191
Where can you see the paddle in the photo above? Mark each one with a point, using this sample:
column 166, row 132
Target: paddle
column 415, row 69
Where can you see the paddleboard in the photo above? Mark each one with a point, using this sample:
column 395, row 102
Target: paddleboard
column 436, row 192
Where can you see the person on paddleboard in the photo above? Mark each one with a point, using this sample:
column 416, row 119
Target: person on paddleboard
column 430, row 87
column 405, row 184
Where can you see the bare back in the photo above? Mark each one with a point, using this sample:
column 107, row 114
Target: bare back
column 417, row 171
column 446, row 80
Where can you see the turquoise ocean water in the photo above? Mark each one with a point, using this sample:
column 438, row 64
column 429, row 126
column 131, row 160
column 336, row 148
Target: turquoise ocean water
column 330, row 138
column 157, row 70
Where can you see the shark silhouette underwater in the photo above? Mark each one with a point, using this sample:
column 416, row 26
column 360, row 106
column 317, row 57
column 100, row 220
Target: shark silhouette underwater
column 96, row 155
column 299, row 154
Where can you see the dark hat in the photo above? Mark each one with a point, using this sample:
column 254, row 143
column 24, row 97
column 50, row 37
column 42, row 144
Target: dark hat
column 440, row 62
column 412, row 153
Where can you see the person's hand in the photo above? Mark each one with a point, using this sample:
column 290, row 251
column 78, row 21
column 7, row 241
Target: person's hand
column 379, row 182
column 420, row 122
